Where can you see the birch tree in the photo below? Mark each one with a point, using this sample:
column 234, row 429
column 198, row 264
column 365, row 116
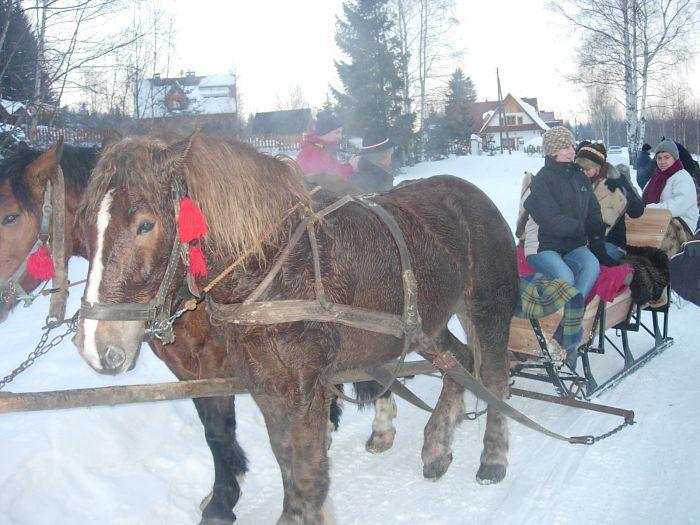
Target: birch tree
column 626, row 44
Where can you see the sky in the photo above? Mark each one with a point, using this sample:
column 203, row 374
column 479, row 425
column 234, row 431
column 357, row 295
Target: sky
column 275, row 45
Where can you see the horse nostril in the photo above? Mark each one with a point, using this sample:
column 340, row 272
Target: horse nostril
column 114, row 357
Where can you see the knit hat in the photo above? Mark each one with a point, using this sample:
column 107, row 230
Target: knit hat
column 595, row 153
column 375, row 142
column 556, row 138
column 326, row 122
column 668, row 146
column 646, row 147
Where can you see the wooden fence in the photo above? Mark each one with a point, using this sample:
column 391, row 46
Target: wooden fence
column 77, row 136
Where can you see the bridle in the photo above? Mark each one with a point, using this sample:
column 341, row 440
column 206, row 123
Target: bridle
column 54, row 207
column 156, row 312
column 10, row 289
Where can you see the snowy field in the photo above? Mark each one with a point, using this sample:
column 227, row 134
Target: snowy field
column 148, row 464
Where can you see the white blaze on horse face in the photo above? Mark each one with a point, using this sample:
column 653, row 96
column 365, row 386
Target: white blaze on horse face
column 92, row 293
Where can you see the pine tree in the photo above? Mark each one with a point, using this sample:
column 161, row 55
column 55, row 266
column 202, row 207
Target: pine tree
column 371, row 98
column 459, row 98
column 18, row 55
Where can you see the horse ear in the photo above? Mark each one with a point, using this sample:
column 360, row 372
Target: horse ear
column 110, row 136
column 44, row 166
column 176, row 155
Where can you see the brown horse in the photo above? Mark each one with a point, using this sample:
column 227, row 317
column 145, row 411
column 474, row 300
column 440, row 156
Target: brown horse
column 23, row 178
column 462, row 253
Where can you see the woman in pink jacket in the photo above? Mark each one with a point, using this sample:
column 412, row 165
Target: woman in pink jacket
column 318, row 152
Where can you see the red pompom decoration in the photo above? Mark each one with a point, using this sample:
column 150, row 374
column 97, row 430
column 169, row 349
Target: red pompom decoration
column 40, row 265
column 191, row 224
column 198, row 265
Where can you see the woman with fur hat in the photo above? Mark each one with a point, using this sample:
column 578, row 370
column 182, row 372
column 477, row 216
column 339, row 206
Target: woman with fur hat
column 672, row 188
column 564, row 218
column 614, row 192
column 318, row 151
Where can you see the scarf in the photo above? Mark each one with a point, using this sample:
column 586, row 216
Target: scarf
column 657, row 183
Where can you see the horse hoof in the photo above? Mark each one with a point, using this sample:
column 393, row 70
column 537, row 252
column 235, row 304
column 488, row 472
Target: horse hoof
column 380, row 442
column 490, row 474
column 436, row 468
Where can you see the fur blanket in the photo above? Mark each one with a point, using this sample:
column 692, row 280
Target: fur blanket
column 651, row 275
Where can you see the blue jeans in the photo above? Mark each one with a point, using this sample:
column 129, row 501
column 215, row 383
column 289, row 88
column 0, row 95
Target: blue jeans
column 579, row 267
column 614, row 251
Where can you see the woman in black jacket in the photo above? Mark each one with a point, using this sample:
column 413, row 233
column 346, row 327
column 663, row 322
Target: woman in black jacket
column 567, row 217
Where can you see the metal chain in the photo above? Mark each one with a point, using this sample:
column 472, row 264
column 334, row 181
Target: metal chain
column 595, row 439
column 42, row 347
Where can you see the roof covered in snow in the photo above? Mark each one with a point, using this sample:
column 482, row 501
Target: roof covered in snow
column 189, row 95
column 11, row 106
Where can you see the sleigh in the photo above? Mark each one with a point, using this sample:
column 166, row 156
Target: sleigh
column 606, row 329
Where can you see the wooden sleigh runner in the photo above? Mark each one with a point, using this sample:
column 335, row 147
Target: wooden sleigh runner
column 538, row 356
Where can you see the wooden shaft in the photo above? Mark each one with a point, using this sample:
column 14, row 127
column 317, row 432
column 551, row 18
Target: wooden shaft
column 116, row 395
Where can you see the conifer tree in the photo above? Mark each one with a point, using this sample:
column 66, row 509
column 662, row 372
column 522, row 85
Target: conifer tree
column 18, row 55
column 459, row 98
column 371, row 98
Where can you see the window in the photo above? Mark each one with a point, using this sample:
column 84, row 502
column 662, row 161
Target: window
column 520, row 120
column 510, row 120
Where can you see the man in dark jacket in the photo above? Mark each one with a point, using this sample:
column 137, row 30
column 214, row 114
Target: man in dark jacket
column 684, row 268
column 375, row 161
column 568, row 218
column 644, row 166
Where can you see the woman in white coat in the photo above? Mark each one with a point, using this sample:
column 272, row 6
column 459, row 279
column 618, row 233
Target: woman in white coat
column 672, row 188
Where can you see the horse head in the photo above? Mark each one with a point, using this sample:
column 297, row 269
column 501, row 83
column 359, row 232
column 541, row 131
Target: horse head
column 130, row 228
column 24, row 175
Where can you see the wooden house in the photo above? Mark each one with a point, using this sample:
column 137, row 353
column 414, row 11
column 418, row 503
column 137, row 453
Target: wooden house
column 523, row 122
column 188, row 101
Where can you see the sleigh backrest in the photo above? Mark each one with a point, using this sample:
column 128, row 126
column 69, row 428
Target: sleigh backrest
column 649, row 229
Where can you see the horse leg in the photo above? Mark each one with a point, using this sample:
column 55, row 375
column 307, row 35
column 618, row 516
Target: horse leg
column 383, row 430
column 487, row 334
column 218, row 415
column 278, row 423
column 439, row 431
column 309, row 457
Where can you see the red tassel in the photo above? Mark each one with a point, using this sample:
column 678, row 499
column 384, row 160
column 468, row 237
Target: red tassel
column 198, row 265
column 191, row 223
column 40, row 265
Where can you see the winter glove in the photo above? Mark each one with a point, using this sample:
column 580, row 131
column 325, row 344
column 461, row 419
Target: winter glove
column 598, row 249
column 614, row 184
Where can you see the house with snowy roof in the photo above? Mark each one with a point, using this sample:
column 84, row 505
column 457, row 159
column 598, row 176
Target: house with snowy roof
column 523, row 122
column 188, row 101
column 11, row 111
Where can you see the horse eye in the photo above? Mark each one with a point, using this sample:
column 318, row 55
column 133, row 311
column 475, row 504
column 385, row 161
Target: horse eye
column 10, row 218
column 144, row 227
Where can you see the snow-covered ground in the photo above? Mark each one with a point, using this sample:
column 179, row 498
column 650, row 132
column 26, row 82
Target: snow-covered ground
column 149, row 464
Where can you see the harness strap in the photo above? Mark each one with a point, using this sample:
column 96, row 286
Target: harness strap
column 455, row 371
column 57, row 305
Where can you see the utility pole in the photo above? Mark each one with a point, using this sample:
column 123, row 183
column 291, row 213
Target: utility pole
column 502, row 116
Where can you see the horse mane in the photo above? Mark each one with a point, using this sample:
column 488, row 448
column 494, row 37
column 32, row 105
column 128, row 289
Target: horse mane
column 241, row 191
column 77, row 163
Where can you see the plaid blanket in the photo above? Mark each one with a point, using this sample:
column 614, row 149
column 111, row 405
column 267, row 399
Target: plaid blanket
column 540, row 297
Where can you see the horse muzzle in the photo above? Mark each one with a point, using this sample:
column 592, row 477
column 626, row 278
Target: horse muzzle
column 109, row 347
